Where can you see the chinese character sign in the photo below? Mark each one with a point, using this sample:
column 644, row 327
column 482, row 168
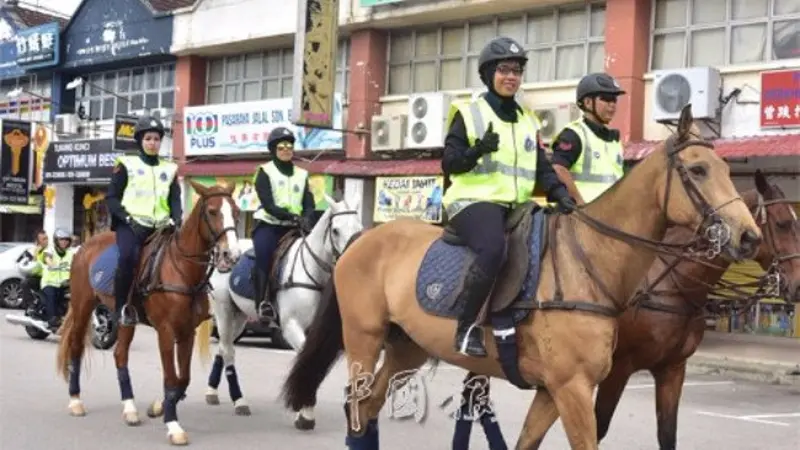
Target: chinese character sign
column 412, row 197
column 243, row 128
column 780, row 99
column 38, row 46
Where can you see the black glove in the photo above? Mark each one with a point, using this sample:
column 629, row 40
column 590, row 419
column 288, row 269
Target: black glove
column 566, row 204
column 488, row 143
column 305, row 224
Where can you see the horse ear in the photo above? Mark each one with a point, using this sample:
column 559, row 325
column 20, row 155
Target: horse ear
column 762, row 185
column 199, row 188
column 228, row 187
column 685, row 122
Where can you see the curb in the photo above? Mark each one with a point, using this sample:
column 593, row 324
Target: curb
column 763, row 371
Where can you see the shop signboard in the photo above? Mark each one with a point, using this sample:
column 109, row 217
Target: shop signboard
column 124, row 127
column 8, row 48
column 408, row 197
column 15, row 161
column 84, row 161
column 38, row 46
column 235, row 129
column 780, row 99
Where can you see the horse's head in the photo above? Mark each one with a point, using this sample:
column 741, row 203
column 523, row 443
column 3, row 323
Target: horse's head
column 215, row 216
column 780, row 251
column 698, row 192
column 340, row 223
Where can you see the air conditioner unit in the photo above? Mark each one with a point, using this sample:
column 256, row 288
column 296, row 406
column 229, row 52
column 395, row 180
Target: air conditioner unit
column 674, row 89
column 67, row 124
column 388, row 133
column 555, row 117
column 426, row 116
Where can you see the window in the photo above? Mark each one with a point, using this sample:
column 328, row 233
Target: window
column 723, row 32
column 562, row 43
column 33, row 103
column 123, row 91
column 263, row 75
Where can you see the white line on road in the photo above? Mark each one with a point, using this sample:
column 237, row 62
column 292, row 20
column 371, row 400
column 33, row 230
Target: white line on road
column 742, row 418
column 773, row 416
column 686, row 384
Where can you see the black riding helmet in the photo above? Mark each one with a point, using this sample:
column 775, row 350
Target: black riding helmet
column 278, row 135
column 595, row 84
column 145, row 124
column 499, row 49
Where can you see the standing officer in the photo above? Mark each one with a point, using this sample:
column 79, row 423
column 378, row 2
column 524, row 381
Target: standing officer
column 587, row 155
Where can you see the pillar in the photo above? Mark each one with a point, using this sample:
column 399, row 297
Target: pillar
column 61, row 213
column 627, row 50
column 190, row 82
column 367, row 85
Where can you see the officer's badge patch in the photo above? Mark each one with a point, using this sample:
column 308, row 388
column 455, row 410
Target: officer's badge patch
column 619, row 159
column 163, row 176
column 529, row 144
column 513, row 48
column 296, row 188
column 281, row 183
column 596, row 155
column 140, row 172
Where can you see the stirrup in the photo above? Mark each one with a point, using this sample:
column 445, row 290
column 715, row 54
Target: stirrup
column 125, row 316
column 266, row 311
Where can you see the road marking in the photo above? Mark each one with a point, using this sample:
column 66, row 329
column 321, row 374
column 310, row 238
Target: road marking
column 743, row 418
column 685, row 384
column 773, row 416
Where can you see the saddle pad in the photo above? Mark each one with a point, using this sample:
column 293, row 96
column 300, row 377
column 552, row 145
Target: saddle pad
column 240, row 282
column 250, row 253
column 101, row 274
column 440, row 277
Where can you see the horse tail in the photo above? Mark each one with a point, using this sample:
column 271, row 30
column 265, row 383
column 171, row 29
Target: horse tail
column 322, row 348
column 65, row 344
column 204, row 341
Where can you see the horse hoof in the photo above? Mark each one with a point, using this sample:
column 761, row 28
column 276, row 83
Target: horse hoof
column 76, row 409
column 181, row 438
column 242, row 410
column 212, row 399
column 132, row 419
column 301, row 423
column 156, row 409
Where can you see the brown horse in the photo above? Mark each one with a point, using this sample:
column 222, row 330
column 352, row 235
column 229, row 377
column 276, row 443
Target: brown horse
column 171, row 293
column 566, row 345
column 668, row 322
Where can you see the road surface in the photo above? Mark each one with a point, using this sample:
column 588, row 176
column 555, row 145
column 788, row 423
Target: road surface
column 715, row 412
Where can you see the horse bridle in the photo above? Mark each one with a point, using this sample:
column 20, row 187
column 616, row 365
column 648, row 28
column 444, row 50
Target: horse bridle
column 325, row 266
column 774, row 277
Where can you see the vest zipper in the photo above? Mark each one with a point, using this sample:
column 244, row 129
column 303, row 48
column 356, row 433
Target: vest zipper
column 514, row 139
column 155, row 197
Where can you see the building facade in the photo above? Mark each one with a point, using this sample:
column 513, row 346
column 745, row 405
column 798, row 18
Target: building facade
column 29, row 53
column 116, row 65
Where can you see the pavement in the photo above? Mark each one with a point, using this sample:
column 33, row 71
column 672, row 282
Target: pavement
column 716, row 410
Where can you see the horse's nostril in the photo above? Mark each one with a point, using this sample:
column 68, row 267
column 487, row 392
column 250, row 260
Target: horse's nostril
column 750, row 238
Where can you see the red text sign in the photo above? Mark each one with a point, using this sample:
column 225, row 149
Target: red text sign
column 780, row 99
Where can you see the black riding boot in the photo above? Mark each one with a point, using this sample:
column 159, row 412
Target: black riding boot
column 122, row 311
column 469, row 335
column 263, row 307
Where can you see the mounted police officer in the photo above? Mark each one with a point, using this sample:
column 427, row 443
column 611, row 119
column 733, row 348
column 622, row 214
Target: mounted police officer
column 493, row 157
column 55, row 275
column 32, row 261
column 144, row 195
column 286, row 202
column 587, row 155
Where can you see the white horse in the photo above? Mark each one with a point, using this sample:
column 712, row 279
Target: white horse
column 307, row 267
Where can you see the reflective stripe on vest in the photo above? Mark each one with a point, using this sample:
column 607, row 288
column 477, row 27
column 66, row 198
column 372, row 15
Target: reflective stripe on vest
column 507, row 176
column 146, row 196
column 57, row 276
column 287, row 192
column 600, row 164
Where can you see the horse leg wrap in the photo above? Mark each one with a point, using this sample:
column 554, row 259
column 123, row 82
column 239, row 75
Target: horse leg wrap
column 216, row 372
column 461, row 434
column 492, row 430
column 368, row 439
column 233, row 383
column 75, row 377
column 124, row 379
column 171, row 398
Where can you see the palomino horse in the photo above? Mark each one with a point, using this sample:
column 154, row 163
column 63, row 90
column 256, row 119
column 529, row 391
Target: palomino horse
column 302, row 271
column 170, row 294
column 565, row 346
column 667, row 323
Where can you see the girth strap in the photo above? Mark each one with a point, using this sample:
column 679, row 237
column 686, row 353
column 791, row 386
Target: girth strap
column 564, row 305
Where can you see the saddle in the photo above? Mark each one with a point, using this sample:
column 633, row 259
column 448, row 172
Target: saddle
column 517, row 261
column 273, row 283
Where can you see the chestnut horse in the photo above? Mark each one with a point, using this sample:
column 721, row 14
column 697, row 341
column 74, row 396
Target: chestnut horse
column 565, row 345
column 172, row 294
column 668, row 321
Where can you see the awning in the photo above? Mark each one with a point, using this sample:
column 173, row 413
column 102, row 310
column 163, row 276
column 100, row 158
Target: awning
column 751, row 146
column 352, row 168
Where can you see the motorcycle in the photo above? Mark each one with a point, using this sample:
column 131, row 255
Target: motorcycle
column 34, row 320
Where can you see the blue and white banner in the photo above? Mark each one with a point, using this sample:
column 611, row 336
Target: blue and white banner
column 243, row 128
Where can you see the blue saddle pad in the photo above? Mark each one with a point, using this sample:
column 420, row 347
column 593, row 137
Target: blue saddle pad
column 441, row 275
column 101, row 274
column 240, row 281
